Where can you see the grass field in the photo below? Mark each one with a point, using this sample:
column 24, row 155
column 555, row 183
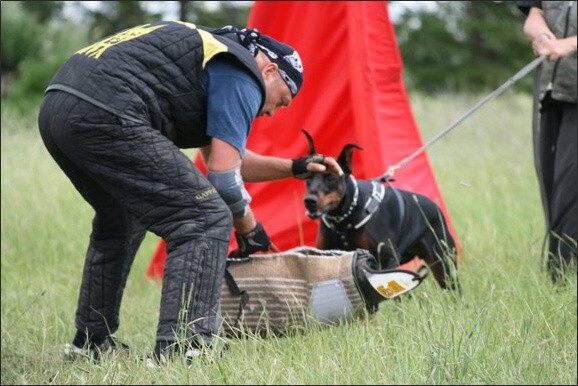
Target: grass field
column 511, row 326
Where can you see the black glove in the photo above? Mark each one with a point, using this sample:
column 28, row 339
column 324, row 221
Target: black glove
column 256, row 240
column 299, row 166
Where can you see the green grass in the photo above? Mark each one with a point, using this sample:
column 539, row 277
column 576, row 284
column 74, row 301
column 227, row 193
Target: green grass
column 511, row 326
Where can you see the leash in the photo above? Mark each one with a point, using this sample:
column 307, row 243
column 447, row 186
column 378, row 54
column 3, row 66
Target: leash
column 519, row 75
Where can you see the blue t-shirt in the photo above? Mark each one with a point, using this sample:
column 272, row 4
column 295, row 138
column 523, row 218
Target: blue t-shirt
column 233, row 101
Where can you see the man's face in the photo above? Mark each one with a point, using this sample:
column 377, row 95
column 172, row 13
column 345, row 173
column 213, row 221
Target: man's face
column 277, row 93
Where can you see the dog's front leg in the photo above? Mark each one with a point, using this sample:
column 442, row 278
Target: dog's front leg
column 323, row 239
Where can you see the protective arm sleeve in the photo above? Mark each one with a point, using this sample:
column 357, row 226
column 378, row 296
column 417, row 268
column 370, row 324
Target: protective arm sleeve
column 230, row 186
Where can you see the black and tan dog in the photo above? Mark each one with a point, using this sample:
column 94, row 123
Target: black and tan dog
column 392, row 224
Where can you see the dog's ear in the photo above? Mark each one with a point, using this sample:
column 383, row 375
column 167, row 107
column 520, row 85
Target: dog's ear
column 346, row 156
column 310, row 140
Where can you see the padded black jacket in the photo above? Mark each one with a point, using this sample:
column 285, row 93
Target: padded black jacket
column 151, row 75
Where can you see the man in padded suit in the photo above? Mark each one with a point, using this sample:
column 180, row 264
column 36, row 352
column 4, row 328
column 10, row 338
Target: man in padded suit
column 114, row 118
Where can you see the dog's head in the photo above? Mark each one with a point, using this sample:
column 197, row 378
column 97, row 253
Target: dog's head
column 325, row 191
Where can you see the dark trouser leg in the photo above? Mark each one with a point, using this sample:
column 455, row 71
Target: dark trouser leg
column 193, row 274
column 559, row 125
column 113, row 245
column 115, row 238
column 158, row 187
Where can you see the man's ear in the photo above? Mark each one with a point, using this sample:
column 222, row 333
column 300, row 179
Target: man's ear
column 269, row 69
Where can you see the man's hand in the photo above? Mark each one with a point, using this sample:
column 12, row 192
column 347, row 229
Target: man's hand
column 303, row 167
column 256, row 240
column 553, row 49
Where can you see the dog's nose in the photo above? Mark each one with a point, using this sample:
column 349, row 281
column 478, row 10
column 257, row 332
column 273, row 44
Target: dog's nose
column 310, row 202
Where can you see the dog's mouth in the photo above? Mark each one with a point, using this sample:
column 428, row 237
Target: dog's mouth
column 313, row 215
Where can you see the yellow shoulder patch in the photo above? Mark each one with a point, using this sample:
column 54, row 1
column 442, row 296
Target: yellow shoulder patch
column 211, row 46
column 97, row 49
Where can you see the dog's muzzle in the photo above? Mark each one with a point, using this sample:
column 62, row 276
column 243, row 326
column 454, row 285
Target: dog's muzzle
column 310, row 202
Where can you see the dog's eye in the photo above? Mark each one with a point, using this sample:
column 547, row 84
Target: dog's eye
column 330, row 183
column 331, row 178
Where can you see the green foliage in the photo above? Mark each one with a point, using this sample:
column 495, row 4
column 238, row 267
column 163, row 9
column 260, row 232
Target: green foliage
column 467, row 46
column 115, row 16
column 21, row 36
column 229, row 13
column 43, row 11
column 60, row 41
column 32, row 52
column 28, row 91
column 511, row 326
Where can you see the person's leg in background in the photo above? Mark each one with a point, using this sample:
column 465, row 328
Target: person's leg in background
column 563, row 191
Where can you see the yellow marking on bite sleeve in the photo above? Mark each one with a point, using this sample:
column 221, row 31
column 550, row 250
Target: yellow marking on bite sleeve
column 393, row 288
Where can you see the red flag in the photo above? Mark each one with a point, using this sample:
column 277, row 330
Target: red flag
column 353, row 92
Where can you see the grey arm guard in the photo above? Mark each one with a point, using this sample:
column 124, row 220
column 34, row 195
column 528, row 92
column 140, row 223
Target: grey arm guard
column 230, row 186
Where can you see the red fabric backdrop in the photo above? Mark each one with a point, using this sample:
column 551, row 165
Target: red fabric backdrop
column 353, row 92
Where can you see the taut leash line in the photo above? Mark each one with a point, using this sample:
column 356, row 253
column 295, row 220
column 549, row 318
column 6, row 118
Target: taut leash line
column 520, row 74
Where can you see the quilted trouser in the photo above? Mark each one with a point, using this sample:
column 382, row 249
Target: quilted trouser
column 137, row 180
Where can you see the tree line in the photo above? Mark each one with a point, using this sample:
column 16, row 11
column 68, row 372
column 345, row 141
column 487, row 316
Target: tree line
column 453, row 47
